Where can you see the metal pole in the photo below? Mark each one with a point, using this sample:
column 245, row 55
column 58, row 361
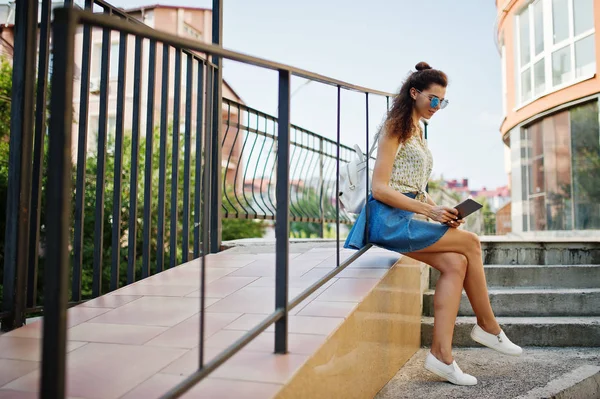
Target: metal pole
column 282, row 225
column 215, row 179
column 425, row 134
column 16, row 246
column 58, row 210
column 321, row 191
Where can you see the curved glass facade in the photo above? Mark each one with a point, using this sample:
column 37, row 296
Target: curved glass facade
column 560, row 170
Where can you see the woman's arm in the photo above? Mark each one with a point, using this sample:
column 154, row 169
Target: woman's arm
column 382, row 192
column 430, row 200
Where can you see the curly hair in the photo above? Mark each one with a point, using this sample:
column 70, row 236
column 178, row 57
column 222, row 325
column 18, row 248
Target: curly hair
column 399, row 118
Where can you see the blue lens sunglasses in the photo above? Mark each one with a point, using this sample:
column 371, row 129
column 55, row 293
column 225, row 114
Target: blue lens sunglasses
column 435, row 101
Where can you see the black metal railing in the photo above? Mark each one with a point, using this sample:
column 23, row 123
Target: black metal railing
column 175, row 214
column 249, row 146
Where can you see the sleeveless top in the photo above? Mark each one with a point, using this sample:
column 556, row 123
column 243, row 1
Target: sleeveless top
column 412, row 166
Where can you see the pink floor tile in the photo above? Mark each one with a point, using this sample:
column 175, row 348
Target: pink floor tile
column 297, row 324
column 114, row 333
column 187, row 334
column 106, row 371
column 13, row 369
column 260, row 367
column 210, row 388
column 10, row 394
column 348, row 290
column 152, row 311
column 75, row 315
column 250, row 300
column 304, row 281
column 188, row 363
column 328, row 309
column 109, row 301
column 223, row 287
column 18, row 348
column 156, row 290
column 301, row 344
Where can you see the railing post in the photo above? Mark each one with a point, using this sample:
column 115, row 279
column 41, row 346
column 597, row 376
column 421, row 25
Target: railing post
column 215, row 179
column 58, row 210
column 16, row 247
column 321, row 191
column 425, row 134
column 38, row 153
column 282, row 225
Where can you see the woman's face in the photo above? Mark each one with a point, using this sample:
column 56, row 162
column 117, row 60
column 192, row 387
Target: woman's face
column 429, row 101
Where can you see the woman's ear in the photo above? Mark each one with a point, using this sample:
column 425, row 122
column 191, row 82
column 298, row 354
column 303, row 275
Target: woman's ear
column 413, row 93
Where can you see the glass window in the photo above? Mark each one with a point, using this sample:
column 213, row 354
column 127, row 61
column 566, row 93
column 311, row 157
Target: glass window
column 557, row 170
column 585, row 149
column 560, row 20
column 538, row 16
column 583, row 17
column 585, row 57
column 538, row 213
column 539, row 74
column 114, row 60
column 524, row 37
column 526, row 85
column 561, row 66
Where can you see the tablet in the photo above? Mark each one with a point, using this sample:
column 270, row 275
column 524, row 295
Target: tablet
column 467, row 207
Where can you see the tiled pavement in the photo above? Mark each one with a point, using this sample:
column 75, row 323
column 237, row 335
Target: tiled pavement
column 142, row 340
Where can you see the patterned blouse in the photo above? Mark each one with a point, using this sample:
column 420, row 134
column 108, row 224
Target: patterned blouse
column 412, row 167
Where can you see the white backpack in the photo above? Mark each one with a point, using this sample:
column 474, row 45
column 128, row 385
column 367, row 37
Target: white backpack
column 353, row 185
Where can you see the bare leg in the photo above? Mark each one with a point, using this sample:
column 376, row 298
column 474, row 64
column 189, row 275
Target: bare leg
column 475, row 284
column 453, row 267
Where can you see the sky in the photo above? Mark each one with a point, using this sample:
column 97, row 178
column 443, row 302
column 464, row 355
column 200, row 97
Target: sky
column 375, row 44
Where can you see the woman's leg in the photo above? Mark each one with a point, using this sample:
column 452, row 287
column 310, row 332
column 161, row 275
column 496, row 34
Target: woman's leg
column 448, row 290
column 475, row 285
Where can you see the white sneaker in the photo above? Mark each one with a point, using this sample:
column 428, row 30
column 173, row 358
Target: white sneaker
column 450, row 372
column 499, row 342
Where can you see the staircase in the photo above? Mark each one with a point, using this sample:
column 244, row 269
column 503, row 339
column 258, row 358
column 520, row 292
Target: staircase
column 544, row 293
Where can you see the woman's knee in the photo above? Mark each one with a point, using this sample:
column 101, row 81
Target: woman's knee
column 472, row 242
column 456, row 263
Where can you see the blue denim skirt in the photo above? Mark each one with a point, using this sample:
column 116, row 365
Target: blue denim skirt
column 393, row 229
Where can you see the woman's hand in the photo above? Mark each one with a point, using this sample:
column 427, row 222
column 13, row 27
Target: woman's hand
column 443, row 214
column 456, row 223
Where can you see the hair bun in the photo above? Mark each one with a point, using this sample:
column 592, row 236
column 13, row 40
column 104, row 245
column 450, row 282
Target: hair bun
column 421, row 66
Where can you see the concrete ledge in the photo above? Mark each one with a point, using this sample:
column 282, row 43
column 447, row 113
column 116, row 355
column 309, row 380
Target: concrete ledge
column 370, row 346
column 528, row 331
column 541, row 252
column 531, row 302
column 581, row 383
column 563, row 276
column 501, row 377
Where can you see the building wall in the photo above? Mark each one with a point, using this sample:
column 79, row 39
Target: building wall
column 189, row 23
column 507, row 35
column 552, row 125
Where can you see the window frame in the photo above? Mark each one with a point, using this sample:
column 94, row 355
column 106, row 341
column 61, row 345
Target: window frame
column 549, row 49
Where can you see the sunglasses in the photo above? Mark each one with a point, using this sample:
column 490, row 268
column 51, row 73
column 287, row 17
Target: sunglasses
column 435, row 101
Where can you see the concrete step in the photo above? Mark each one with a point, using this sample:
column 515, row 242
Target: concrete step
column 527, row 331
column 538, row 373
column 556, row 251
column 531, row 302
column 551, row 276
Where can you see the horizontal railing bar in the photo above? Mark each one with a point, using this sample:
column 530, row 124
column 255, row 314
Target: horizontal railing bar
column 243, row 107
column 307, row 292
column 294, row 143
column 119, row 12
column 233, row 215
column 114, row 23
column 225, row 355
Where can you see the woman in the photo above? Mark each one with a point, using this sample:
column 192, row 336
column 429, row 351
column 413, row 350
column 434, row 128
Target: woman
column 401, row 172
